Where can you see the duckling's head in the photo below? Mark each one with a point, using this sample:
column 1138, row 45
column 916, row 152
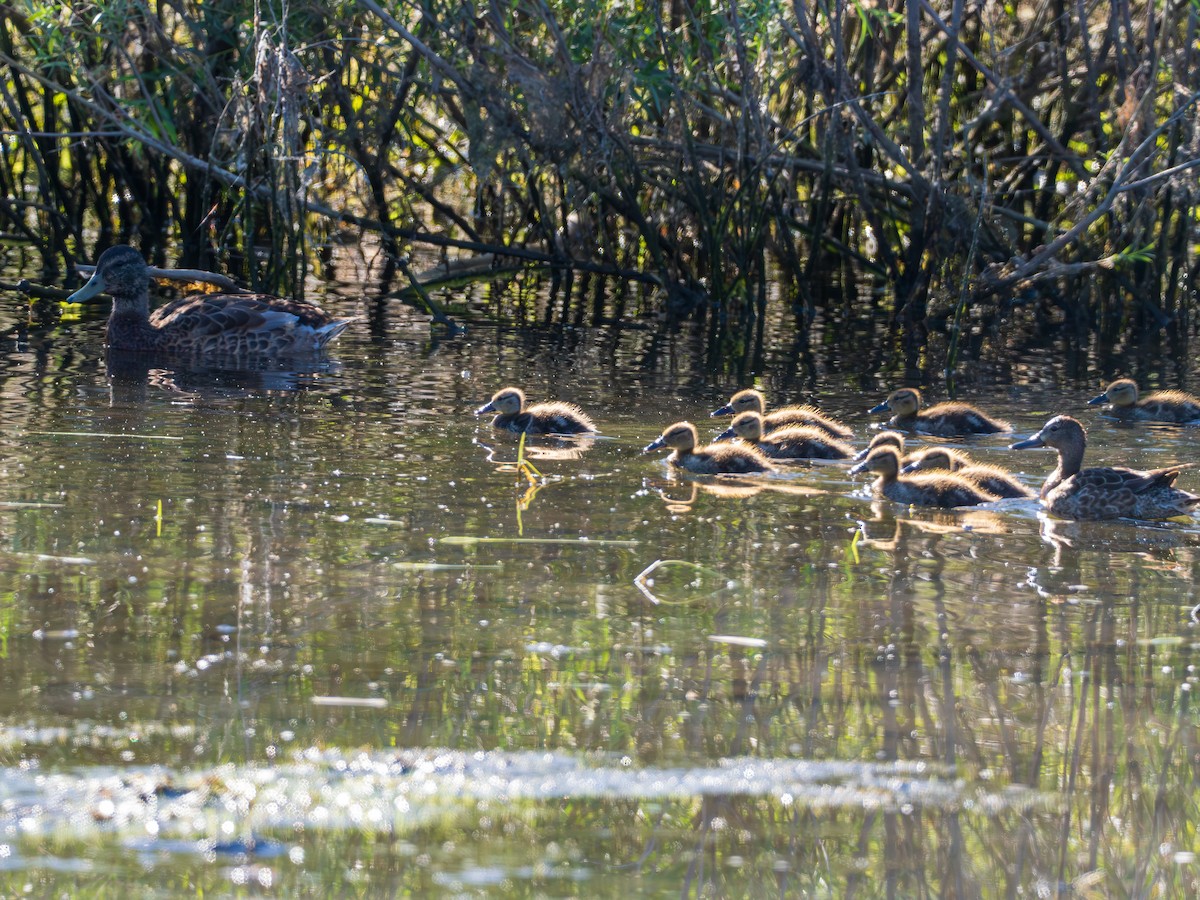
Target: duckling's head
column 904, row 402
column 681, row 436
column 1061, row 432
column 884, row 460
column 748, row 400
column 1122, row 392
column 121, row 273
column 934, row 458
column 883, row 439
column 507, row 402
column 748, row 426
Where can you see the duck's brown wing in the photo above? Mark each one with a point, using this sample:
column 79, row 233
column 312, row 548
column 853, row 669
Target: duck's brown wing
column 211, row 314
column 1118, row 478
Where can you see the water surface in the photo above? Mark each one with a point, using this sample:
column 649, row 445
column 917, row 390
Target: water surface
column 313, row 631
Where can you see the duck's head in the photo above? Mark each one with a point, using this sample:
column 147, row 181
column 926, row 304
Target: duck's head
column 680, row 436
column 507, row 402
column 748, row 400
column 884, row 439
column 884, row 460
column 1122, row 392
column 1061, row 432
column 747, row 425
column 934, row 458
column 904, row 402
column 120, row 273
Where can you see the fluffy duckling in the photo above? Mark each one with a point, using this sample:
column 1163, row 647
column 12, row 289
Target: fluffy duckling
column 715, row 459
column 925, row 489
column 1160, row 406
column 541, row 418
column 790, row 442
column 1103, row 492
column 944, row 419
column 753, row 401
column 992, row 479
column 230, row 324
column 884, row 439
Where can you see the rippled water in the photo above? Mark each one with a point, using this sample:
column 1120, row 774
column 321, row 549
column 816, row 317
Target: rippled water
column 314, row 632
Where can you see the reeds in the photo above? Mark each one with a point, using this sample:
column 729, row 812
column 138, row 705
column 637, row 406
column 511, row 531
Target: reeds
column 966, row 153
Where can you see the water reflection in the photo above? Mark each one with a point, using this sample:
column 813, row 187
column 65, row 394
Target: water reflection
column 820, row 688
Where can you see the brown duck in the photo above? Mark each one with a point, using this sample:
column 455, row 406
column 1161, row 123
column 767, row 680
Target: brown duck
column 715, row 459
column 790, row 442
column 540, row 418
column 893, row 439
column 1103, row 492
column 1160, row 406
column 992, row 479
column 944, row 419
column 942, row 489
column 228, row 324
column 753, row 401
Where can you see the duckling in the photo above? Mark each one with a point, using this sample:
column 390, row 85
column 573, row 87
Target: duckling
column 944, row 419
column 791, row 442
column 753, row 401
column 1103, row 492
column 541, row 418
column 230, row 324
column 992, row 479
column 926, row 489
column 883, row 439
column 1160, row 406
column 715, row 459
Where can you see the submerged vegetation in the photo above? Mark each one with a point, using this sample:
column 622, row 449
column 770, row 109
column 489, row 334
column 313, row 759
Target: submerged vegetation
column 727, row 156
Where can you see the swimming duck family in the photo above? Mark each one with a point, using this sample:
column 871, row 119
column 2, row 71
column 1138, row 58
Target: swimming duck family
column 935, row 476
column 541, row 418
column 943, row 419
column 1159, row 406
column 714, row 459
column 993, row 479
column 789, row 442
column 751, row 400
column 1103, row 492
column 228, row 324
column 943, row 489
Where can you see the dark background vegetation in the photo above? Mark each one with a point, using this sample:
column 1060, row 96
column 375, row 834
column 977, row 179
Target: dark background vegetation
column 968, row 157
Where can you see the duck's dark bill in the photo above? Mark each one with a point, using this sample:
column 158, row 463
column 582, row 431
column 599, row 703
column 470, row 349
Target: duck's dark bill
column 1030, row 443
column 94, row 286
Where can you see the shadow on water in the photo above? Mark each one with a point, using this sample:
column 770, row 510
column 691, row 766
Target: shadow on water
column 265, row 630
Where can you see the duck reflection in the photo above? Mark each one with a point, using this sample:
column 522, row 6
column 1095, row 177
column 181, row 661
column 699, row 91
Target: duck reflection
column 1069, row 538
column 508, row 449
column 885, row 530
column 132, row 376
column 680, row 492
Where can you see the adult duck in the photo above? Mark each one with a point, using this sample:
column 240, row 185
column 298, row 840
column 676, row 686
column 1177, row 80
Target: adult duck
column 944, row 419
column 751, row 400
column 993, row 479
column 942, row 489
column 541, row 418
column 893, row 439
column 790, row 442
column 225, row 324
column 714, row 459
column 1159, row 406
column 1103, row 492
